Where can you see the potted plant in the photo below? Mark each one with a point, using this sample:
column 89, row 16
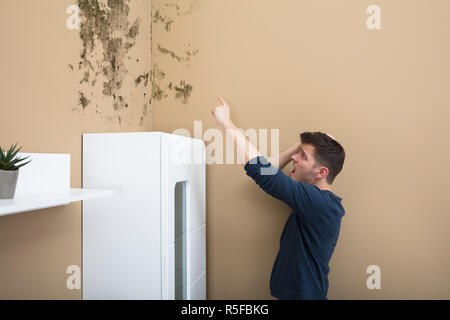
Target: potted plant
column 9, row 171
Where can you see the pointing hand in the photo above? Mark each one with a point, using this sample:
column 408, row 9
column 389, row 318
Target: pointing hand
column 222, row 113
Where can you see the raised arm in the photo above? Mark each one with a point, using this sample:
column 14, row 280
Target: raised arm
column 241, row 143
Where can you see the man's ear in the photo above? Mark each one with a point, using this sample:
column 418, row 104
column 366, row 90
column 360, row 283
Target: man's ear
column 322, row 171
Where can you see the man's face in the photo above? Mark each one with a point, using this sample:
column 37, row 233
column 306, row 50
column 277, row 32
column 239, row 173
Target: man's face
column 303, row 165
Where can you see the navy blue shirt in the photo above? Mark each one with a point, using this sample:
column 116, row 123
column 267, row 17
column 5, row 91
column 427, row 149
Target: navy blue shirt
column 309, row 237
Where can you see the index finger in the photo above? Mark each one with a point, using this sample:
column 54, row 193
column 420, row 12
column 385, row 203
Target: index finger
column 221, row 100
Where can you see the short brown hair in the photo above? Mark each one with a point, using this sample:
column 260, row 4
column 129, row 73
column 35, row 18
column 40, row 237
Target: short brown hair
column 328, row 152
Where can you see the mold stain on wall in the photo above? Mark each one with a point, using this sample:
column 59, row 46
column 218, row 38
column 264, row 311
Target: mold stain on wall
column 166, row 13
column 187, row 58
column 156, row 76
column 142, row 77
column 107, row 35
column 183, row 91
column 185, row 7
column 83, row 100
column 165, row 20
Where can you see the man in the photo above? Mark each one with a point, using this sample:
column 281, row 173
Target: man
column 311, row 232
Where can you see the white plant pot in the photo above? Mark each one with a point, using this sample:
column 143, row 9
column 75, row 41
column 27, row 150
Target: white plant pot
column 8, row 182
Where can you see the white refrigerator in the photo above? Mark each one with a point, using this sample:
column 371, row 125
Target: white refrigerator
column 148, row 240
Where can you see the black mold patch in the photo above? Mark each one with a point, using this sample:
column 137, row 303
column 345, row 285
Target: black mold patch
column 188, row 6
column 157, row 92
column 189, row 54
column 165, row 20
column 156, row 76
column 83, row 100
column 144, row 77
column 144, row 114
column 119, row 103
column 114, row 69
column 85, row 78
column 109, row 25
column 134, row 30
column 183, row 91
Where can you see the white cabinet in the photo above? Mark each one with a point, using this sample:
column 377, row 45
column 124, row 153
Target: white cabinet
column 148, row 240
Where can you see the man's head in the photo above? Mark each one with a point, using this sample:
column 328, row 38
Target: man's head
column 320, row 159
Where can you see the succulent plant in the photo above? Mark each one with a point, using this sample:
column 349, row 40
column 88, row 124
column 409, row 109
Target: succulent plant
column 9, row 161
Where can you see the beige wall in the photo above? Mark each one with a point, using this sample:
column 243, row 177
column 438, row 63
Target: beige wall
column 40, row 110
column 313, row 65
column 290, row 65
